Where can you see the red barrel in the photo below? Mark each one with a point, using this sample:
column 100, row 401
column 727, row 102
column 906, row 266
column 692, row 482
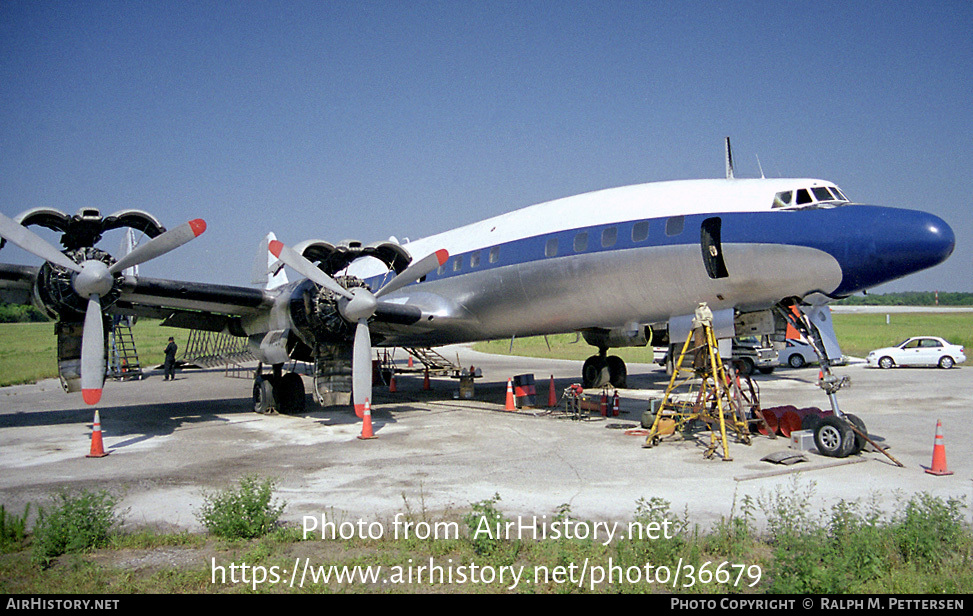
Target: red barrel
column 790, row 421
column 770, row 417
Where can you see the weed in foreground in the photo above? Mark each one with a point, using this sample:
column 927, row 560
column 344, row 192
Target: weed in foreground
column 244, row 513
column 13, row 529
column 79, row 521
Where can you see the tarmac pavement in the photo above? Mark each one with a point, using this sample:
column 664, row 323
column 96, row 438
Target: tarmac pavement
column 170, row 443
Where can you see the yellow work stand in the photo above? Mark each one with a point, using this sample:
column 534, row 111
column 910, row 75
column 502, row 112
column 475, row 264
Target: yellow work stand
column 708, row 399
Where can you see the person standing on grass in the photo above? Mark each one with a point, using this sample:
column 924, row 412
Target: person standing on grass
column 170, row 363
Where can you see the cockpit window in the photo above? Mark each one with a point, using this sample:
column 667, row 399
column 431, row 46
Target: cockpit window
column 813, row 197
column 822, row 194
column 783, row 199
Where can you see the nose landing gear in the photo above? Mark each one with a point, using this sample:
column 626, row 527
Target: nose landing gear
column 841, row 434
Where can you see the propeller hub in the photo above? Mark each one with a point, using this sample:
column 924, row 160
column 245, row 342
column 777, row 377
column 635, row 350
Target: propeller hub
column 93, row 279
column 362, row 305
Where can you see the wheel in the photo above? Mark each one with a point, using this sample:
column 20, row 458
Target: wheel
column 594, row 373
column 810, row 421
column 263, row 396
column 946, row 362
column 290, row 393
column 886, row 362
column 745, row 366
column 765, row 370
column 796, row 361
column 860, row 441
column 617, row 373
column 834, row 437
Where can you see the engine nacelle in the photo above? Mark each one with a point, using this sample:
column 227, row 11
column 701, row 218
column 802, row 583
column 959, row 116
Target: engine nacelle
column 54, row 288
column 640, row 335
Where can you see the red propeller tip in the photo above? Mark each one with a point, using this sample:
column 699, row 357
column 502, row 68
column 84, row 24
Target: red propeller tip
column 443, row 256
column 275, row 247
column 91, row 396
column 198, row 226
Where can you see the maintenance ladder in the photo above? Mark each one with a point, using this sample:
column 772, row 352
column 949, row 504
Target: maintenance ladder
column 433, row 361
column 124, row 358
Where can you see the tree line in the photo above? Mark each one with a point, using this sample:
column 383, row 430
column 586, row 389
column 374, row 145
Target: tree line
column 910, row 298
column 15, row 313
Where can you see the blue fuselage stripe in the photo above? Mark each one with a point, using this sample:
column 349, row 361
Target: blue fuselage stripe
column 872, row 244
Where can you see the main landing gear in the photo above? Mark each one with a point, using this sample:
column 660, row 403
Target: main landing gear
column 603, row 369
column 278, row 391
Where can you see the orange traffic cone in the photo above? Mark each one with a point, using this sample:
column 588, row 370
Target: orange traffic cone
column 939, row 454
column 510, row 397
column 552, row 396
column 97, row 447
column 392, row 388
column 366, row 426
column 410, row 361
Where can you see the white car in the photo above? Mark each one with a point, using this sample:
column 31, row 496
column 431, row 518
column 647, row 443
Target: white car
column 797, row 354
column 919, row 351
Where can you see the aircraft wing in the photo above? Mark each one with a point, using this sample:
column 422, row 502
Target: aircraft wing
column 191, row 305
column 16, row 283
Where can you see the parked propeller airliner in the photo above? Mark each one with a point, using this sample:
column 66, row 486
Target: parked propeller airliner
column 623, row 266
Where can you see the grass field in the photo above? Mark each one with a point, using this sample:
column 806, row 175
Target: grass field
column 860, row 333
column 857, row 333
column 28, row 351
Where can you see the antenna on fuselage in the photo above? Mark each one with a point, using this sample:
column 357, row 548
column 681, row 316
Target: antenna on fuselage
column 729, row 160
column 759, row 166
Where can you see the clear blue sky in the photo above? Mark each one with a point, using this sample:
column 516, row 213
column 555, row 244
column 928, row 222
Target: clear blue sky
column 336, row 120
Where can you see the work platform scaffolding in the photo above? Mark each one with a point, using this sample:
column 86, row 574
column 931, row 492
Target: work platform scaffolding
column 704, row 395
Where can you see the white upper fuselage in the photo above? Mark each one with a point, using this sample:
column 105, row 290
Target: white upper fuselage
column 585, row 262
column 603, row 207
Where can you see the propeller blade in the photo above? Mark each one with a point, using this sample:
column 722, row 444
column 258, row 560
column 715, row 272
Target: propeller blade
column 93, row 352
column 20, row 235
column 361, row 367
column 307, row 269
column 161, row 244
column 414, row 272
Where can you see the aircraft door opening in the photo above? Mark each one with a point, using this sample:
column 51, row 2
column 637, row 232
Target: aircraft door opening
column 709, row 241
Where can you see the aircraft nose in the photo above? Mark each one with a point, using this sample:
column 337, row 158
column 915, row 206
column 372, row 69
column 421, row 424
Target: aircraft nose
column 899, row 242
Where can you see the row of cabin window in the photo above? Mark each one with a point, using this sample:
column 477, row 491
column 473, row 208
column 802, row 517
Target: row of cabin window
column 609, row 236
column 475, row 260
column 640, row 233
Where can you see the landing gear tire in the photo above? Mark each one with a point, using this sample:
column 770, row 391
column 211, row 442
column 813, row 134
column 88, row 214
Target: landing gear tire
column 263, row 396
column 595, row 372
column 811, row 421
column 860, row 441
column 617, row 373
column 290, row 393
column 833, row 437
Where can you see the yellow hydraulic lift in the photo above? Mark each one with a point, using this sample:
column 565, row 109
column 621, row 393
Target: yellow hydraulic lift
column 706, row 395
